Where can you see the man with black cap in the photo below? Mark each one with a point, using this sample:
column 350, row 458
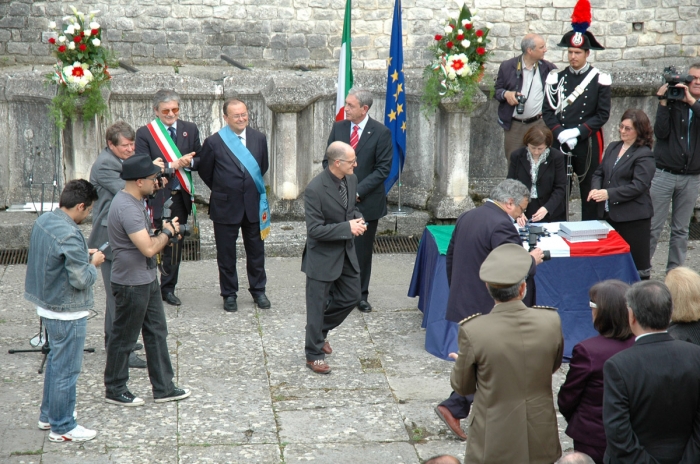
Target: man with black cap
column 506, row 359
column 139, row 306
column 577, row 104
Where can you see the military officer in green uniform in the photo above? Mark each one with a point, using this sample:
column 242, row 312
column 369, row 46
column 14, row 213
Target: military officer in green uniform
column 506, row 359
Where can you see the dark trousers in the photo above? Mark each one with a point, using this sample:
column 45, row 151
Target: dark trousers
column 458, row 405
column 171, row 260
column 585, row 163
column 225, row 236
column 637, row 234
column 106, row 269
column 139, row 308
column 323, row 315
column 364, row 245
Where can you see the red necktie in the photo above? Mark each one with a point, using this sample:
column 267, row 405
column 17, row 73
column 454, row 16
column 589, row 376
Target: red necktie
column 354, row 138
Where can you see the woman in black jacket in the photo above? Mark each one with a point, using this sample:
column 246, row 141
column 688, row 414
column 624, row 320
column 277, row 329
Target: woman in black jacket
column 621, row 185
column 543, row 171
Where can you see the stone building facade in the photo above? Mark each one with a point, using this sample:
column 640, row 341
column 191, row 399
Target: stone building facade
column 288, row 33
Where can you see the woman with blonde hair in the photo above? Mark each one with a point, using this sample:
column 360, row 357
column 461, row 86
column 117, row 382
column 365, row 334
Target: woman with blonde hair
column 684, row 284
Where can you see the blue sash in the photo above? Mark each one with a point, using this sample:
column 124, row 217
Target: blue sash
column 246, row 158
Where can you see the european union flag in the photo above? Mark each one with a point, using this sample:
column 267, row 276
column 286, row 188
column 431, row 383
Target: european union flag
column 395, row 108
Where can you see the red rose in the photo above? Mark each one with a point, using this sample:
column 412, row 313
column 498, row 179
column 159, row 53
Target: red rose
column 452, row 26
column 94, row 32
column 61, row 49
column 468, row 26
column 460, row 37
column 438, row 37
column 449, row 44
column 77, row 39
column 78, row 71
column 82, row 33
column 480, row 50
column 52, row 41
column 479, row 33
column 82, row 47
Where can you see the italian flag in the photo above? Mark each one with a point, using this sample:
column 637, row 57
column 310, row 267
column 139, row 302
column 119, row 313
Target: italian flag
column 344, row 67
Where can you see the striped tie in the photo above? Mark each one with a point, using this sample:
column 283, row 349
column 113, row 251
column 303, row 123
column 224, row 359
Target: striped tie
column 354, row 138
column 343, row 188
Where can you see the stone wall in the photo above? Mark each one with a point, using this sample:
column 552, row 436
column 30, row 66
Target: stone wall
column 285, row 33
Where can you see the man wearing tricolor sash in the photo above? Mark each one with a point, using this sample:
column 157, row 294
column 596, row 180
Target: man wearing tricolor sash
column 232, row 164
column 177, row 143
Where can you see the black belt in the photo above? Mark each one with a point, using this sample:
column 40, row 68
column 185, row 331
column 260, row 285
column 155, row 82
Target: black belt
column 529, row 120
column 671, row 171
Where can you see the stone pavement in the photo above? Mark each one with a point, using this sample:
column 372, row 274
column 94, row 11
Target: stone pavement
column 253, row 400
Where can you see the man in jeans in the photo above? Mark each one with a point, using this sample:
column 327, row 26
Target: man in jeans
column 139, row 306
column 60, row 275
column 677, row 178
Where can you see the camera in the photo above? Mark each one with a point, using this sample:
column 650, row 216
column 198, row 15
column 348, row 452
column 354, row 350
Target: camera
column 531, row 234
column 520, row 109
column 673, row 78
column 185, row 230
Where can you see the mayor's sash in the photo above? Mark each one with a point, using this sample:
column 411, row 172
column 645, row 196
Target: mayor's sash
column 243, row 155
column 171, row 153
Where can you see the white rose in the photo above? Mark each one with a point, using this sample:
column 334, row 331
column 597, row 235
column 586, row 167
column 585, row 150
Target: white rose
column 96, row 42
column 466, row 43
column 71, row 46
column 52, row 24
column 70, row 30
column 460, row 31
column 476, row 18
column 479, row 39
column 448, row 29
column 87, row 32
column 85, row 66
column 94, row 25
column 61, row 38
column 451, row 74
column 76, row 26
column 489, row 25
column 465, row 22
column 77, row 64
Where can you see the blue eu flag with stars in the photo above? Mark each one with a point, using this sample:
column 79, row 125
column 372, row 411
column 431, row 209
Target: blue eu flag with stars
column 395, row 108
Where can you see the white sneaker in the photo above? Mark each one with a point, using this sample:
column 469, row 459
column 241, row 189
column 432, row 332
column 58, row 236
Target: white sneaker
column 79, row 433
column 47, row 426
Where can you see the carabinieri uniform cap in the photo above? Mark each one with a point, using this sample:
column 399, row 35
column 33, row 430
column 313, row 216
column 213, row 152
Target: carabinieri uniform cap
column 506, row 265
column 138, row 166
column 580, row 37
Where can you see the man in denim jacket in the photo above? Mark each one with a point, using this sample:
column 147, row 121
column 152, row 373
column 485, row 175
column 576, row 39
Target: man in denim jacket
column 60, row 275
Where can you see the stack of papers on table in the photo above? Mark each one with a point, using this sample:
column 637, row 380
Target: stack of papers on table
column 584, row 231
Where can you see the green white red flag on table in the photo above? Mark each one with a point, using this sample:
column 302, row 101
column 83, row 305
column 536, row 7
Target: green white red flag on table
column 344, row 67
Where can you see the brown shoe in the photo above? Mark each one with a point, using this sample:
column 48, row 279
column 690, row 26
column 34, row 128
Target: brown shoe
column 326, row 347
column 453, row 424
column 319, row 366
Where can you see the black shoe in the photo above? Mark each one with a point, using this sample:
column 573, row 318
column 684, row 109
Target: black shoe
column 364, row 306
column 262, row 302
column 125, row 399
column 177, row 394
column 230, row 304
column 171, row 299
column 137, row 347
column 136, row 362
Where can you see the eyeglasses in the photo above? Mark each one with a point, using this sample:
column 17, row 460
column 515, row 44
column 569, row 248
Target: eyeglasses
column 695, row 78
column 238, row 116
column 154, row 179
column 592, row 305
column 352, row 161
column 167, row 110
column 626, row 128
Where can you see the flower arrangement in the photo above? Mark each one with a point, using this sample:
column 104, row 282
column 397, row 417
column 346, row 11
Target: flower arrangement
column 81, row 68
column 460, row 55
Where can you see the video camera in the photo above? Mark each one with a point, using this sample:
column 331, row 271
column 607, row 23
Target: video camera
column 531, row 234
column 673, row 78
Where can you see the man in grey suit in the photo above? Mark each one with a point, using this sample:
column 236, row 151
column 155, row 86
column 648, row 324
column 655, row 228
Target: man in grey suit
column 329, row 259
column 104, row 175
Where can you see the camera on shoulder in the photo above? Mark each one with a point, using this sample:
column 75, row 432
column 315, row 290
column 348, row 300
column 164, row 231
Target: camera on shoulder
column 673, row 78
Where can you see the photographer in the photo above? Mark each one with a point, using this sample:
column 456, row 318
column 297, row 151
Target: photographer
column 677, row 152
column 139, row 307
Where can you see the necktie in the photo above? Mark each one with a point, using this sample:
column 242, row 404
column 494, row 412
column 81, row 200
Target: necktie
column 343, row 188
column 173, row 135
column 690, row 122
column 354, row 138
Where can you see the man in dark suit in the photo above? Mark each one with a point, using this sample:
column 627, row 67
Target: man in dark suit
column 651, row 400
column 235, row 204
column 476, row 234
column 371, row 141
column 333, row 222
column 152, row 139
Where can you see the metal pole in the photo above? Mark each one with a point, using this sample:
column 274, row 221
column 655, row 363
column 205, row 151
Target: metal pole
column 399, row 210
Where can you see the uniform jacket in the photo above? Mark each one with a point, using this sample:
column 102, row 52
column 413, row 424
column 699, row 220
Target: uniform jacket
column 233, row 191
column 478, row 231
column 506, row 359
column 627, row 183
column 104, row 175
column 580, row 399
column 374, row 156
column 551, row 180
column 651, row 404
column 328, row 236
column 510, row 79
column 671, row 129
column 187, row 142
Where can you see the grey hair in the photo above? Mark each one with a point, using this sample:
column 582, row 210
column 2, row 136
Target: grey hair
column 528, row 42
column 363, row 96
column 576, row 458
column 165, row 95
column 504, row 294
column 119, row 128
column 651, row 303
column 337, row 150
column 510, row 189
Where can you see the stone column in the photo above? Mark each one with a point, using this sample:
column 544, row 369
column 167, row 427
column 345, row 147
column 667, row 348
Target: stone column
column 81, row 142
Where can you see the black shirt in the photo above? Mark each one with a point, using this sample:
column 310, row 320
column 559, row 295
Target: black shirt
column 672, row 151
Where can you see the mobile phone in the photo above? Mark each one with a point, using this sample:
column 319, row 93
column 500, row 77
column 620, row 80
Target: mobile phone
column 103, row 247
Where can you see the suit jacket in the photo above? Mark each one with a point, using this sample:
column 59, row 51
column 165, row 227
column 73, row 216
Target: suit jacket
column 104, row 175
column 551, row 181
column 328, row 236
column 506, row 359
column 651, row 404
column 478, row 231
column 374, row 156
column 627, row 183
column 580, row 399
column 187, row 142
column 233, row 190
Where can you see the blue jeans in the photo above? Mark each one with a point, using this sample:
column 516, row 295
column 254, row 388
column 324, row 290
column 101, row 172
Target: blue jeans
column 678, row 192
column 63, row 363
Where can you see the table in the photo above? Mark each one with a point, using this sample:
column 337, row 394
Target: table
column 561, row 282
